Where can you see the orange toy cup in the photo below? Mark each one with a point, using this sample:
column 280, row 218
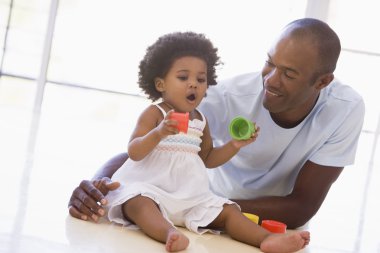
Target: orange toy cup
column 274, row 226
column 182, row 119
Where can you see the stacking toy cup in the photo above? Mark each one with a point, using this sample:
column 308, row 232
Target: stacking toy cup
column 241, row 128
column 252, row 217
column 182, row 119
column 274, row 226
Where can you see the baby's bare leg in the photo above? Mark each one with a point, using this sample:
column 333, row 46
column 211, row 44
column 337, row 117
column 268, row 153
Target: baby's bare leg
column 244, row 230
column 239, row 227
column 145, row 213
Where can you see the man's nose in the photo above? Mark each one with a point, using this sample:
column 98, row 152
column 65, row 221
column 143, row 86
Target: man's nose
column 273, row 76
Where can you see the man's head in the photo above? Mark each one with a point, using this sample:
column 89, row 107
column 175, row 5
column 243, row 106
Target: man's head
column 300, row 63
column 324, row 40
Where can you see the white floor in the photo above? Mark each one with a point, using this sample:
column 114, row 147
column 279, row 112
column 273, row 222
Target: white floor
column 43, row 156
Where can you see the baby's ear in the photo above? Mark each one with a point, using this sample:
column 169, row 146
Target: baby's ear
column 159, row 83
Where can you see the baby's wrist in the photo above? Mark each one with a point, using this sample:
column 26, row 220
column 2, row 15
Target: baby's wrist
column 235, row 144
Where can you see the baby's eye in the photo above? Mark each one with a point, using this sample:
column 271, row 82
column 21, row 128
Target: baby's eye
column 201, row 80
column 183, row 78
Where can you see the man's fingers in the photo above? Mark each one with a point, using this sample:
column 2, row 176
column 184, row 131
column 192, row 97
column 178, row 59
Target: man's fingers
column 90, row 191
column 76, row 214
column 86, row 199
column 105, row 185
column 85, row 215
column 113, row 186
column 87, row 207
column 85, row 202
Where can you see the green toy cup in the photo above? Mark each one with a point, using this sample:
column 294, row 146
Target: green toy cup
column 241, row 128
column 183, row 121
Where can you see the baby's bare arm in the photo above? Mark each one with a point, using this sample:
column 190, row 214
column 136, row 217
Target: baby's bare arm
column 151, row 127
column 216, row 156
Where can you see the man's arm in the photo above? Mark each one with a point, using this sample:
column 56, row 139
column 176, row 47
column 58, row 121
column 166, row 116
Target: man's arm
column 87, row 199
column 297, row 208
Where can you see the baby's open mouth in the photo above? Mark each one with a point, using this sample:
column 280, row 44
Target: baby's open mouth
column 191, row 97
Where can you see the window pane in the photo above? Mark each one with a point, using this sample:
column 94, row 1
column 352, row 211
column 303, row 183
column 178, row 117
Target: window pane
column 360, row 71
column 99, row 43
column 357, row 23
column 26, row 37
column 4, row 14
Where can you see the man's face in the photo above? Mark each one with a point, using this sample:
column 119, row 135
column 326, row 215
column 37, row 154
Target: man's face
column 289, row 77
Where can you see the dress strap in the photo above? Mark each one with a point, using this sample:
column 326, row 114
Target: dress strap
column 203, row 117
column 164, row 112
column 161, row 109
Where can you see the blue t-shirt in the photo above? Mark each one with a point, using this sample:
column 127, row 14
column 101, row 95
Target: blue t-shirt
column 269, row 166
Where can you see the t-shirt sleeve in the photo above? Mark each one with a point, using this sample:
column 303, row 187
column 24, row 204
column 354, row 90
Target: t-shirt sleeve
column 339, row 150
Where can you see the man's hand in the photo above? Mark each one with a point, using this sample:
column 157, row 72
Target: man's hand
column 242, row 143
column 88, row 198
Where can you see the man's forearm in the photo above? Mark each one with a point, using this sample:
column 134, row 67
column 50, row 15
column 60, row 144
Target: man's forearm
column 111, row 166
column 284, row 209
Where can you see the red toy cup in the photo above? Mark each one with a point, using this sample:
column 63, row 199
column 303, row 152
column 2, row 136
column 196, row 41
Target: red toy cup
column 274, row 226
column 182, row 119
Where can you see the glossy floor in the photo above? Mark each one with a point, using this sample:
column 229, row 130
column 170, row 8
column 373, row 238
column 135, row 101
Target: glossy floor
column 44, row 154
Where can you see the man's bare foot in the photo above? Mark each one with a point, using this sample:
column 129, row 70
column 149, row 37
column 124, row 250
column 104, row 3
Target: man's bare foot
column 176, row 241
column 285, row 243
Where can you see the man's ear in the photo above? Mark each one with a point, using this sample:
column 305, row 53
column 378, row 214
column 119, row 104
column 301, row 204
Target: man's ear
column 324, row 80
column 159, row 83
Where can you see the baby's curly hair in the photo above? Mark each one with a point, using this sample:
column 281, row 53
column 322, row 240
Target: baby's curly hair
column 160, row 56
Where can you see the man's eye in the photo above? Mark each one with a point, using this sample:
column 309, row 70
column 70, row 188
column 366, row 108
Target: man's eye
column 268, row 63
column 289, row 75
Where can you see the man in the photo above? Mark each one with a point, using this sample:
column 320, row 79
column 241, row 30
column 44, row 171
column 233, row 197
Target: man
column 310, row 125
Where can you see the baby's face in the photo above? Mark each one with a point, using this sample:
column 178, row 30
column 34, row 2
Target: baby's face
column 185, row 84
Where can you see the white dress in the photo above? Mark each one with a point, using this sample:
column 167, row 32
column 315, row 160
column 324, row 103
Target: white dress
column 175, row 177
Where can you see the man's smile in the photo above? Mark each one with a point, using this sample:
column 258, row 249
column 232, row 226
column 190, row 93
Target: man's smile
column 272, row 93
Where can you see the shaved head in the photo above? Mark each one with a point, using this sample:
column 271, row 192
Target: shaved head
column 321, row 36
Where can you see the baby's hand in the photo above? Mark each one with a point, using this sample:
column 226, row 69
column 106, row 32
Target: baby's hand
column 242, row 143
column 167, row 126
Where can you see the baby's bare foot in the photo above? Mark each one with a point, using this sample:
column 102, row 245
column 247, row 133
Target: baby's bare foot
column 285, row 243
column 176, row 241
